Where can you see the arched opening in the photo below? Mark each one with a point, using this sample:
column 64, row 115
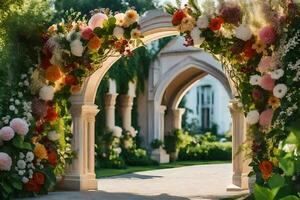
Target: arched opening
column 154, row 24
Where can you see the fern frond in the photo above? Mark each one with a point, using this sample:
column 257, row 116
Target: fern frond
column 169, row 8
column 195, row 5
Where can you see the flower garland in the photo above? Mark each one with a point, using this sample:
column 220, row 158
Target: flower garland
column 262, row 59
column 35, row 140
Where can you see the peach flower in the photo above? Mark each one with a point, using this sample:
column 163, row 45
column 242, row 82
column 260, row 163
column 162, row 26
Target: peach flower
column 267, row 82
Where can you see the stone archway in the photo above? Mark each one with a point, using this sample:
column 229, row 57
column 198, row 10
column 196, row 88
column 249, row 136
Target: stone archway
column 80, row 174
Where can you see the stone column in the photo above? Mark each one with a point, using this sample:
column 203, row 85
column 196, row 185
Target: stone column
column 160, row 155
column 239, row 161
column 177, row 117
column 126, row 102
column 110, row 102
column 80, row 175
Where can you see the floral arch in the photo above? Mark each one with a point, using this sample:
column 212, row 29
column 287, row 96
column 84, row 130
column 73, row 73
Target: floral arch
column 261, row 61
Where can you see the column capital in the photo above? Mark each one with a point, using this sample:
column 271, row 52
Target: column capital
column 126, row 100
column 162, row 109
column 110, row 99
column 235, row 105
column 79, row 109
column 178, row 111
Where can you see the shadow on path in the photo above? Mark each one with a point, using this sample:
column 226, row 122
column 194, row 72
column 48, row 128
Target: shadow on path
column 133, row 176
column 97, row 195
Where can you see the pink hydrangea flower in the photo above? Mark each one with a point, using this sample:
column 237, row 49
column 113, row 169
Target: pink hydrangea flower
column 266, row 63
column 87, row 33
column 267, row 35
column 7, row 133
column 5, row 162
column 267, row 82
column 265, row 117
column 20, row 126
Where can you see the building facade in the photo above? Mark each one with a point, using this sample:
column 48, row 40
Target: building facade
column 207, row 105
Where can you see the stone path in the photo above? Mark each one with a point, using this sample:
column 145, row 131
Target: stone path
column 185, row 183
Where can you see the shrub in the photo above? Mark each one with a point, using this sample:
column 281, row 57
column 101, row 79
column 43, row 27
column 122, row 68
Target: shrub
column 207, row 151
column 177, row 140
column 138, row 157
column 156, row 144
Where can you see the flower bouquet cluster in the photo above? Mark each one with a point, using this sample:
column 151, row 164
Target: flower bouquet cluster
column 258, row 45
column 35, row 134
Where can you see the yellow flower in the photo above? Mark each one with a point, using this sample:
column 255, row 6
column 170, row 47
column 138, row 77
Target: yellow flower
column 259, row 46
column 187, row 24
column 274, row 102
column 131, row 16
column 40, row 151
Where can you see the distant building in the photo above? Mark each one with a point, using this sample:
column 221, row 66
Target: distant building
column 208, row 105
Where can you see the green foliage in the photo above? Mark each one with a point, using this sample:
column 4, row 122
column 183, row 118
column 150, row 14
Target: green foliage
column 156, row 144
column 138, row 157
column 207, row 151
column 177, row 140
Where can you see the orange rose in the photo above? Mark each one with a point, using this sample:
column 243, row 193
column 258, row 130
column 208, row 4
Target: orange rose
column 40, row 151
column 70, row 80
column 94, row 44
column 52, row 158
column 32, row 186
column 53, row 73
column 39, row 178
column 266, row 168
column 51, row 114
column 75, row 89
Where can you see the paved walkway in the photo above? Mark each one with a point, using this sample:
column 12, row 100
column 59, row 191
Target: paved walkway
column 185, row 183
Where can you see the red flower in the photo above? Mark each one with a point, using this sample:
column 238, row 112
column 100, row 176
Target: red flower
column 266, row 168
column 51, row 114
column 216, row 23
column 248, row 50
column 70, row 80
column 177, row 17
column 256, row 94
column 39, row 178
column 32, row 186
column 87, row 33
column 52, row 158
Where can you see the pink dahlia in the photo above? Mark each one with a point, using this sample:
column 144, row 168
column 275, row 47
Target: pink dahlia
column 5, row 162
column 87, row 33
column 267, row 35
column 6, row 133
column 266, row 63
column 267, row 82
column 265, row 117
column 20, row 126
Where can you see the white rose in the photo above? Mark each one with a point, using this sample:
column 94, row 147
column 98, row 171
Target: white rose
column 21, row 164
column 76, row 48
column 118, row 150
column 53, row 136
column 117, row 131
column 46, row 93
column 17, row 102
column 25, row 180
column 195, row 34
column 255, row 80
column 202, row 22
column 289, row 148
column 280, row 90
column 252, row 117
column 26, row 83
column 21, row 172
column 12, row 107
column 243, row 32
column 21, row 155
column 132, row 132
column 277, row 74
column 29, row 156
column 118, row 32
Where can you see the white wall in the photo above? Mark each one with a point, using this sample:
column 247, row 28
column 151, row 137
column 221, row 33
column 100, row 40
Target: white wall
column 221, row 100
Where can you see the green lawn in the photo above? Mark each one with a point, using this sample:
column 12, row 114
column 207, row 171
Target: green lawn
column 101, row 173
